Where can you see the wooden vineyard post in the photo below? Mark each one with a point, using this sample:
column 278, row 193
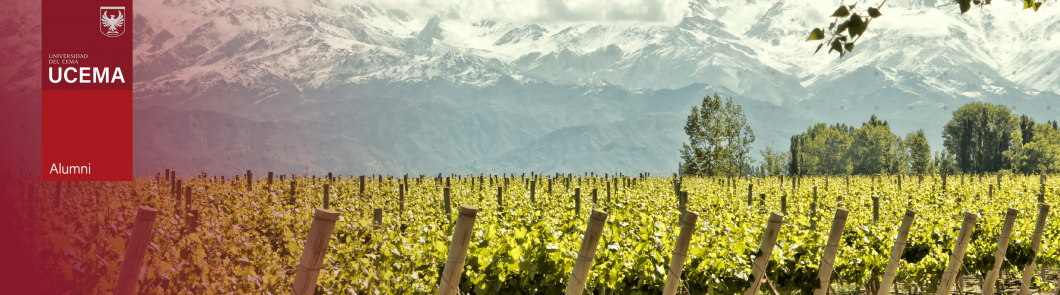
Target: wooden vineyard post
column 998, row 180
column 959, row 247
column 250, row 180
column 750, row 193
column 316, row 246
column 1036, row 239
column 577, row 200
column 191, row 221
column 533, row 186
column 1041, row 181
column 769, row 239
column 362, row 186
column 500, row 199
column 990, row 192
column 454, row 263
column 268, row 185
column 594, row 196
column 135, row 251
column 828, row 261
column 327, row 196
column 999, row 254
column 608, row 192
column 762, row 200
column 682, row 205
column 784, row 204
column 677, row 262
column 813, row 216
column 377, row 218
column 899, row 182
column 187, row 199
column 586, row 252
column 875, row 209
column 447, row 203
column 549, row 186
column 896, row 252
column 401, row 198
column 290, row 197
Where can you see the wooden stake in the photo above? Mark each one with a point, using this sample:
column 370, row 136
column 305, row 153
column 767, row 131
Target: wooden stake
column 875, row 209
column 500, row 199
column 828, row 261
column 447, row 203
column 896, row 253
column 135, row 250
column 769, row 239
column 999, row 254
column 250, row 180
column 316, row 246
column 586, row 252
column 677, row 263
column 959, row 247
column 377, row 218
column 750, row 193
column 577, row 200
column 191, row 221
column 454, row 263
column 1036, row 239
column 327, row 196
column 290, row 199
column 533, row 187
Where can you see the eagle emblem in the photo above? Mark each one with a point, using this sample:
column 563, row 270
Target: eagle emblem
column 112, row 20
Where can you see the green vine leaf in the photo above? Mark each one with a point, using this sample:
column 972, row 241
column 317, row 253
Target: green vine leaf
column 965, row 5
column 841, row 12
column 856, row 26
column 817, row 34
column 874, row 13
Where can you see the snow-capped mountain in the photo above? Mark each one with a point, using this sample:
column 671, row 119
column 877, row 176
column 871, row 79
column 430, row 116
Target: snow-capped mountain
column 415, row 93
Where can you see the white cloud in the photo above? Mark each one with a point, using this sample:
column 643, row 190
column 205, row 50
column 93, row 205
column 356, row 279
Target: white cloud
column 539, row 11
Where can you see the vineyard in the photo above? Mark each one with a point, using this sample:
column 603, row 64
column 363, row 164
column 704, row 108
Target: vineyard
column 394, row 235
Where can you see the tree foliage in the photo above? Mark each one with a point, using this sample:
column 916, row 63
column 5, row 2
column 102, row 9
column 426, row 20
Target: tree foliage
column 919, row 152
column 775, row 163
column 977, row 136
column 1040, row 154
column 840, row 149
column 719, row 139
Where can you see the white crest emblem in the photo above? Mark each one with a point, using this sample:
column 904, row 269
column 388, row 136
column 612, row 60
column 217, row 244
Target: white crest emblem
column 112, row 20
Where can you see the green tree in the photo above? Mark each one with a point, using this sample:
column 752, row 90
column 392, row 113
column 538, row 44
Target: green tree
column 977, row 136
column 871, row 150
column 720, row 139
column 900, row 163
column 775, row 163
column 1042, row 154
column 1026, row 129
column 794, row 167
column 827, row 150
column 919, row 152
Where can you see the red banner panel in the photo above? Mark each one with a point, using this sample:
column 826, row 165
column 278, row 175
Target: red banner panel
column 86, row 99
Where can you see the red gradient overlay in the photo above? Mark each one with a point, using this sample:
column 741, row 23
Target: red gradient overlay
column 86, row 120
column 29, row 237
column 87, row 128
